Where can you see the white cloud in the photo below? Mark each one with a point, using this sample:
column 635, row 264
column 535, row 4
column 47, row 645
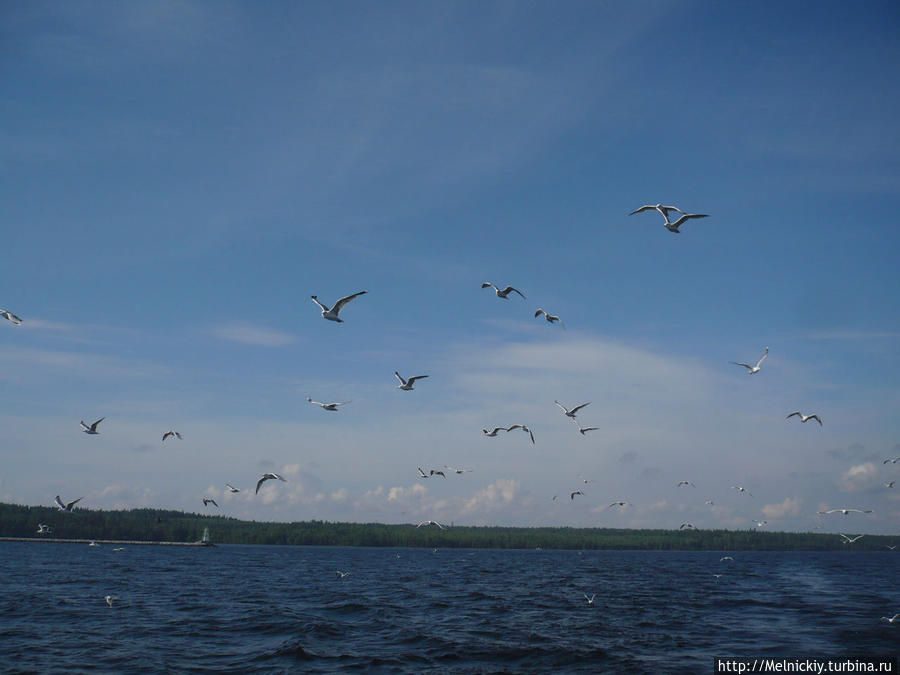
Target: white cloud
column 416, row 491
column 859, row 478
column 789, row 507
column 252, row 334
column 501, row 492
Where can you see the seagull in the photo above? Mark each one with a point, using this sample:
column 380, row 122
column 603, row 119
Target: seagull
column 587, row 480
column 583, row 430
column 848, row 540
column 551, row 318
column 331, row 407
column 171, row 433
column 407, row 385
column 685, row 482
column 332, row 314
column 9, row 316
column 493, row 433
column 717, row 576
column 590, row 600
column 741, row 489
column 341, row 575
column 687, row 526
column 673, row 227
column 890, row 484
column 760, row 523
column 571, row 413
column 109, row 599
column 44, row 529
column 422, row 474
column 892, row 461
column 207, row 501
column 432, row 472
column 804, row 418
column 91, row 429
column 727, row 557
column 502, row 293
column 265, row 477
column 523, row 428
column 892, row 619
column 457, row 470
column 93, row 543
column 664, row 210
column 576, row 492
column 844, row 511
column 619, row 504
column 709, row 502
column 889, row 548
column 430, row 522
column 753, row 369
column 121, row 548
column 231, row 488
column 66, row 507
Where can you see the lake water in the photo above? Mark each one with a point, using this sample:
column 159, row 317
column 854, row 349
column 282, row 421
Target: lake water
column 268, row 609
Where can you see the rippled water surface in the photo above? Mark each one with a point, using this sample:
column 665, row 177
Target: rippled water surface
column 267, row 609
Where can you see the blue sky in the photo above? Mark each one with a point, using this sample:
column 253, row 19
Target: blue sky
column 178, row 178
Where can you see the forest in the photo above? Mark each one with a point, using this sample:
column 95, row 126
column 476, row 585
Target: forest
column 163, row 525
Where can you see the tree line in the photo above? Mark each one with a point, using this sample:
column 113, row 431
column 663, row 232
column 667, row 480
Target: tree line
column 166, row 525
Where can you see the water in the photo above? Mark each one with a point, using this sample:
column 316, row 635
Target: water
column 267, row 609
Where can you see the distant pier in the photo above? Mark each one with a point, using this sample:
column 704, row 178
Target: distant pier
column 112, row 542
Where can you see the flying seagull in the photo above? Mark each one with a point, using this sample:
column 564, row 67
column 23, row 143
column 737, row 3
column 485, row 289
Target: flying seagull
column 231, row 488
column 583, row 430
column 502, row 293
column 576, row 492
column 457, row 470
column 685, row 482
column 741, row 489
column 267, row 476
column 422, row 474
column 407, row 385
column 760, row 523
column 726, row 557
column 208, row 500
column 430, row 522
column 892, row 461
column 618, row 504
column 844, row 511
column 9, row 316
column 673, row 227
column 590, row 600
column 523, row 428
column 332, row 314
column 341, row 575
column 848, row 540
column 890, row 484
column 551, row 318
column 890, row 548
column 109, row 599
column 44, row 529
column 805, row 418
column 687, row 526
column 753, row 369
column 664, row 210
column 174, row 433
column 433, row 472
column 709, row 502
column 571, row 413
column 331, row 407
column 493, row 432
column 92, row 429
column 66, row 507
column 892, row 619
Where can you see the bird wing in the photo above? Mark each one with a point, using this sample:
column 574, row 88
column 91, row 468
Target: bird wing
column 687, row 216
column 73, row 503
column 230, row 486
column 488, row 283
column 339, row 305
column 510, row 288
column 260, row 482
column 94, row 425
column 748, row 367
column 422, row 473
column 796, row 412
column 177, row 435
column 565, row 409
column 531, row 435
column 579, row 407
column 589, row 429
column 399, row 377
column 763, row 357
column 214, row 502
column 514, row 426
column 417, row 377
column 539, row 312
column 59, row 501
column 666, row 209
column 167, row 434
column 87, row 428
column 316, row 402
column 816, row 418
column 642, row 209
column 315, row 299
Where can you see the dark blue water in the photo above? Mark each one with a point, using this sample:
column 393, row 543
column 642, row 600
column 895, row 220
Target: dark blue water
column 267, row 609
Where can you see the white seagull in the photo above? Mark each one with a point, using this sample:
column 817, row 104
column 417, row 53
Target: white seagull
column 726, row 557
column 332, row 314
column 231, row 488
column 44, row 529
column 92, row 429
column 457, row 470
column 209, row 500
column 331, row 407
column 493, row 432
column 892, row 461
column 66, row 507
column 890, row 484
column 9, row 316
column 664, row 210
column 434, row 472
column 673, row 227
column 422, row 474
column 687, row 526
column 571, row 413
column 407, row 385
column 504, row 293
column 844, row 511
column 268, row 476
column 685, row 482
column 590, row 600
column 551, row 318
column 710, row 502
column 848, row 540
column 171, row 433
column 341, row 575
column 805, row 418
column 892, row 619
column 753, row 369
column 741, row 489
column 109, row 599
column 523, row 428
column 760, row 523
column 430, row 522
column 583, row 430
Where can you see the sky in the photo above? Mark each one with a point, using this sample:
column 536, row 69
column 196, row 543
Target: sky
column 177, row 179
